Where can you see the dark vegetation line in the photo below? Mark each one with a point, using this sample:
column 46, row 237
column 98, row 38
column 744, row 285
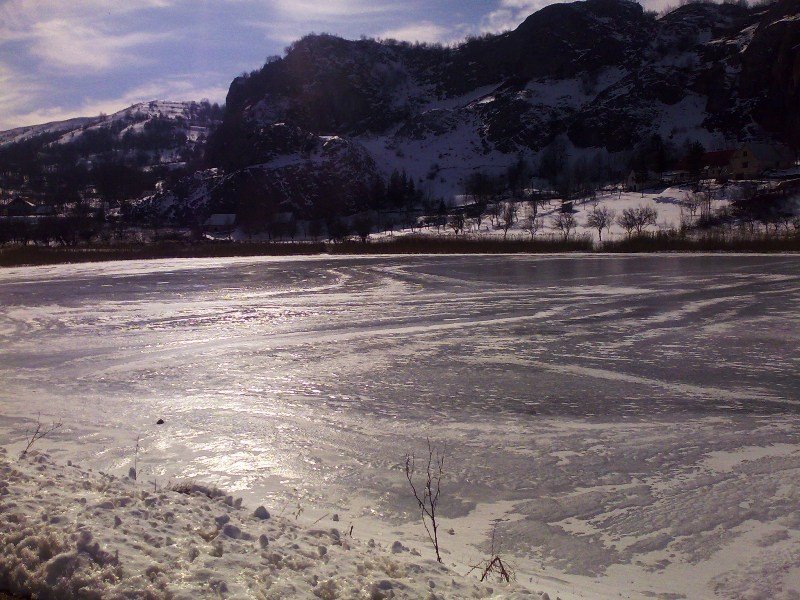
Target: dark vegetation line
column 38, row 255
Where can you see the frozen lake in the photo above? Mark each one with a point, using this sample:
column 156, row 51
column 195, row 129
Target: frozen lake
column 632, row 421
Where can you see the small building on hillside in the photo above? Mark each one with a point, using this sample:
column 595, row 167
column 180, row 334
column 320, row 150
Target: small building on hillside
column 223, row 223
column 753, row 158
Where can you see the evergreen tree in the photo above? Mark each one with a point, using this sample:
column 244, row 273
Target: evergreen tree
column 694, row 158
column 395, row 189
column 410, row 192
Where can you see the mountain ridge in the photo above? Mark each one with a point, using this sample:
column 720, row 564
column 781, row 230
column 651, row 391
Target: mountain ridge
column 591, row 85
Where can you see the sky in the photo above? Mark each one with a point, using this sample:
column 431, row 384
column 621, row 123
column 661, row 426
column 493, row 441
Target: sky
column 66, row 58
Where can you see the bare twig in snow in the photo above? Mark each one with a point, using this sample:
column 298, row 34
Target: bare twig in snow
column 39, row 432
column 134, row 472
column 428, row 497
column 320, row 519
column 494, row 565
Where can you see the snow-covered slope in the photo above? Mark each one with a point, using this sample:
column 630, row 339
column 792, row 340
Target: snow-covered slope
column 134, row 120
column 142, row 135
column 317, row 176
column 67, row 532
column 21, row 134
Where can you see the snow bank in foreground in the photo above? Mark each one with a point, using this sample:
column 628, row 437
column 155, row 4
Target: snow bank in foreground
column 70, row 533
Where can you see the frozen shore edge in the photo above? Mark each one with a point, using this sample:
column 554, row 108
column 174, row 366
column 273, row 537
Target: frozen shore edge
column 66, row 532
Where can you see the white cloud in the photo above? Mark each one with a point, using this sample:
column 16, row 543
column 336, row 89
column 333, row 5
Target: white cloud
column 15, row 95
column 85, row 34
column 18, row 17
column 316, row 10
column 281, row 32
column 182, row 87
column 418, row 32
column 296, row 18
column 61, row 43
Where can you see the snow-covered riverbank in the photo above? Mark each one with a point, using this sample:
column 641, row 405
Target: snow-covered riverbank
column 67, row 532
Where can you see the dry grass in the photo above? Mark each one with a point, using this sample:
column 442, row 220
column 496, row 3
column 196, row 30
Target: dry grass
column 418, row 244
column 39, row 255
column 712, row 242
column 13, row 256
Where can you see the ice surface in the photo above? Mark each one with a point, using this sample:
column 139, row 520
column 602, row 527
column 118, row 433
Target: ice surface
column 631, row 421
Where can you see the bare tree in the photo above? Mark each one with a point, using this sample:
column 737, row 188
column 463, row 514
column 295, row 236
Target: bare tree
column 472, row 224
column 456, row 223
column 495, row 211
column 645, row 216
column 410, row 218
column 478, row 217
column 133, row 472
column 428, row 497
column 694, row 201
column 315, row 229
column 507, row 217
column 532, row 225
column 565, row 223
column 39, row 432
column 627, row 220
column 600, row 217
column 783, row 220
column 535, row 202
column 363, row 227
column 637, row 219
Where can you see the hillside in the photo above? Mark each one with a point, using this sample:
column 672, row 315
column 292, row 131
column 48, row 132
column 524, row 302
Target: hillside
column 59, row 161
column 578, row 94
column 592, row 82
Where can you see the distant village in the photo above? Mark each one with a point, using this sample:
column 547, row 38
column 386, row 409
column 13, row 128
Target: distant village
column 751, row 160
column 769, row 169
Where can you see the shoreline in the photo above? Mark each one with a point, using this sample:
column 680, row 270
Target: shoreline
column 93, row 534
column 24, row 256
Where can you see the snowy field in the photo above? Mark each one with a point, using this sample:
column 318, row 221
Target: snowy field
column 671, row 205
column 630, row 423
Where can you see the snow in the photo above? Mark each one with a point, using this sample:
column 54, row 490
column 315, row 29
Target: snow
column 456, row 102
column 670, row 203
column 787, row 19
column 439, row 161
column 69, row 532
column 572, row 92
column 458, row 153
column 143, row 110
column 133, row 120
column 629, row 422
column 24, row 133
column 684, row 121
